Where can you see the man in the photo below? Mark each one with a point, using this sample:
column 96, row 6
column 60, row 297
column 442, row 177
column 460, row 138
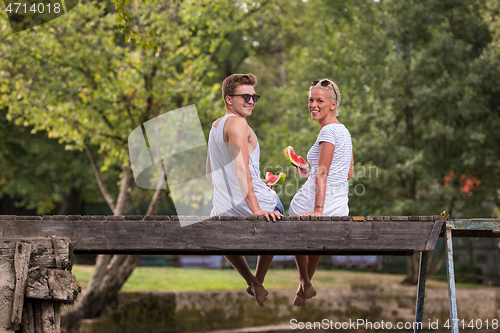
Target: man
column 233, row 167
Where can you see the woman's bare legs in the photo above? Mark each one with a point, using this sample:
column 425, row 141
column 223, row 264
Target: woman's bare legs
column 306, row 266
column 263, row 264
column 240, row 264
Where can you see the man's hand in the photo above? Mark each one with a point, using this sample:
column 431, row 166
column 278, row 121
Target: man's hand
column 269, row 215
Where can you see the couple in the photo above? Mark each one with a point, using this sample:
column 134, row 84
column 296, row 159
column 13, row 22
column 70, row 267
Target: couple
column 233, row 168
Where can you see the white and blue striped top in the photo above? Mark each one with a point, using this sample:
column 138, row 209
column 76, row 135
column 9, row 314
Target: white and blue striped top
column 337, row 188
column 339, row 136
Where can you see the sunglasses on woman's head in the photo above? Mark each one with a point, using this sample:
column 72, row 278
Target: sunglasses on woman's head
column 324, row 83
column 247, row 97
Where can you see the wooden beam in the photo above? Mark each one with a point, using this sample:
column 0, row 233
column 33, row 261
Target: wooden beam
column 42, row 250
column 52, row 284
column 21, row 268
column 234, row 236
column 480, row 227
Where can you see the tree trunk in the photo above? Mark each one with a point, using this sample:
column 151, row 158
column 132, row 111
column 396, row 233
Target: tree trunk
column 111, row 271
column 437, row 261
column 412, row 269
column 70, row 202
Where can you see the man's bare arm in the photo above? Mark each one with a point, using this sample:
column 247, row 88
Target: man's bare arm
column 238, row 132
column 208, row 169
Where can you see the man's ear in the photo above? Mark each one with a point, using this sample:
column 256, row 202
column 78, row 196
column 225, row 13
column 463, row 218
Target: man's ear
column 228, row 100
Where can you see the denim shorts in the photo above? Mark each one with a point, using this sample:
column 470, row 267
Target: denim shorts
column 279, row 206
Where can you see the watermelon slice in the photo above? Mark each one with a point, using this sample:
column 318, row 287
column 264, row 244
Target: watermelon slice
column 297, row 161
column 272, row 179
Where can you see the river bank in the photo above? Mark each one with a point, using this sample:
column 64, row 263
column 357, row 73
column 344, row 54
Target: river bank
column 364, row 302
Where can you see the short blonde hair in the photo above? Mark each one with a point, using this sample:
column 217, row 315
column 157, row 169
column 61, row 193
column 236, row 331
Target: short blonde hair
column 330, row 87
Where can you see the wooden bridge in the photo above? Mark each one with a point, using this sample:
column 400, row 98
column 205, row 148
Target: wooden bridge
column 30, row 244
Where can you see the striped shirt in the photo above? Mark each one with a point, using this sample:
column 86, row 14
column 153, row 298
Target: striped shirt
column 339, row 136
column 337, row 188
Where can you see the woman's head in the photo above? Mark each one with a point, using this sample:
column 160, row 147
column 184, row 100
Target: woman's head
column 324, row 96
column 329, row 86
column 232, row 82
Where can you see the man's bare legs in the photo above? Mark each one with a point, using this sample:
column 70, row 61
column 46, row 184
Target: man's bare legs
column 263, row 264
column 240, row 264
column 306, row 266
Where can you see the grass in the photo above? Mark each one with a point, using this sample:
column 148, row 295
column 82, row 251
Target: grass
column 194, row 279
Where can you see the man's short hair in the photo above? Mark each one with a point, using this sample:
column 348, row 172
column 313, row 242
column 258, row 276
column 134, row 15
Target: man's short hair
column 232, row 82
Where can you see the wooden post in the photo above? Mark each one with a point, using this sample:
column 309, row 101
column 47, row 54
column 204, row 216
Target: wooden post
column 21, row 263
column 35, row 279
column 28, row 320
column 7, row 285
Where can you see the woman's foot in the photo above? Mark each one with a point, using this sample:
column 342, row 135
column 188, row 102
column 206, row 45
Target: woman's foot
column 299, row 300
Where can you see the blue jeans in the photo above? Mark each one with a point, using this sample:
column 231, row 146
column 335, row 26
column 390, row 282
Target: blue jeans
column 279, row 206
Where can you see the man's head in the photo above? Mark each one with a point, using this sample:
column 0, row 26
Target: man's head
column 232, row 82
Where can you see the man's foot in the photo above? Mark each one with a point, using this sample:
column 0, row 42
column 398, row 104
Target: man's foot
column 309, row 291
column 259, row 294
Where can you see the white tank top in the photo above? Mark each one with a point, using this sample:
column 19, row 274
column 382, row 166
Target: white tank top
column 227, row 199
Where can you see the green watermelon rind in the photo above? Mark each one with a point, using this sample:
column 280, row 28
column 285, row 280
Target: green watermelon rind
column 279, row 180
column 293, row 162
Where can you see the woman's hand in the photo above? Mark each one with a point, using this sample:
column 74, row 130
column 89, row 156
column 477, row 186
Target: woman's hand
column 267, row 181
column 303, row 172
column 269, row 215
column 315, row 213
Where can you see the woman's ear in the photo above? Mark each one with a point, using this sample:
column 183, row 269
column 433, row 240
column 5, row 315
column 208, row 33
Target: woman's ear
column 334, row 105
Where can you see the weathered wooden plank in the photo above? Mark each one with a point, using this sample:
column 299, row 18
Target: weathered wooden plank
column 7, row 286
column 21, row 267
column 486, row 227
column 28, row 320
column 434, row 235
column 134, row 217
column 52, row 284
column 399, row 218
column 54, row 318
column 47, row 317
column 37, row 316
column 225, row 237
column 42, row 249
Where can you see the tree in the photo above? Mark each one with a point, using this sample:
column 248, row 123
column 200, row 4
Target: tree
column 413, row 97
column 80, row 81
column 38, row 174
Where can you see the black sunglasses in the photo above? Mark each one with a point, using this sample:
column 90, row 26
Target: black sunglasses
column 325, row 83
column 247, row 97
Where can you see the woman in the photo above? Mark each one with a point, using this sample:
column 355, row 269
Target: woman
column 325, row 192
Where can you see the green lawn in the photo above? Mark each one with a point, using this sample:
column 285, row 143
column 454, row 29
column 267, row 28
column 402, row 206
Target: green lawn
column 194, row 279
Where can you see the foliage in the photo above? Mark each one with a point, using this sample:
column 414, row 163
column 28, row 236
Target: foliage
column 37, row 172
column 415, row 97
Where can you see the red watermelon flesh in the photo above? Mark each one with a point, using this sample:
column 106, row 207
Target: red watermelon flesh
column 297, row 161
column 272, row 179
